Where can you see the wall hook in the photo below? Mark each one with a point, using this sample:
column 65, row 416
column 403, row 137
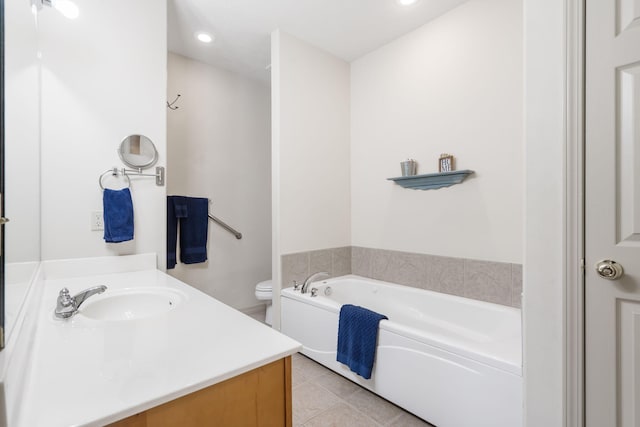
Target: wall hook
column 170, row 104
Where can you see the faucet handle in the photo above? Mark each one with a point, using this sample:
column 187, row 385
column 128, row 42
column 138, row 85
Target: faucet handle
column 64, row 298
column 296, row 285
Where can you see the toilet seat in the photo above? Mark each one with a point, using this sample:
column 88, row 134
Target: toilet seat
column 264, row 290
column 266, row 286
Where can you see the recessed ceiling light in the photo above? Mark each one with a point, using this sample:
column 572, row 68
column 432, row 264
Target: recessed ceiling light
column 204, row 37
column 406, row 2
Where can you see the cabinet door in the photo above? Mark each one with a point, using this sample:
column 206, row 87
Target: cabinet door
column 258, row 398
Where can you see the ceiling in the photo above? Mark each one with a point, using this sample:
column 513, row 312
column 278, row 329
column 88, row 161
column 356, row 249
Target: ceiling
column 348, row 29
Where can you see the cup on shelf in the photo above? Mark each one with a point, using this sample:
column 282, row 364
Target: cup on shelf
column 409, row 167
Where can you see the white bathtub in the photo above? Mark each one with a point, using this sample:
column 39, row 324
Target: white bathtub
column 452, row 361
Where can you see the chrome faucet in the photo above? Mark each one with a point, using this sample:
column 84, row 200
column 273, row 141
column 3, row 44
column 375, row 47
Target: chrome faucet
column 68, row 305
column 312, row 278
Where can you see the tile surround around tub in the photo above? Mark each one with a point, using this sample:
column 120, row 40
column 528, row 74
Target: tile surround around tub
column 298, row 266
column 496, row 282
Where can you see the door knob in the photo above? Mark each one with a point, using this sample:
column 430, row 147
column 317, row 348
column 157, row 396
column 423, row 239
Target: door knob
column 3, row 220
column 610, row 270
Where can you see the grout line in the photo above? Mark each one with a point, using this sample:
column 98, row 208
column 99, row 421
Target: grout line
column 326, row 411
column 391, row 422
column 333, row 392
column 367, row 418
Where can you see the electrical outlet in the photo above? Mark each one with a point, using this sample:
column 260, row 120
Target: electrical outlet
column 97, row 222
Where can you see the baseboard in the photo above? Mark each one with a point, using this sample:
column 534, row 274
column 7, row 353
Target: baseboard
column 256, row 309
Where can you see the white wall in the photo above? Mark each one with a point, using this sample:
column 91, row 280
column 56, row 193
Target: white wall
column 452, row 86
column 313, row 147
column 310, row 150
column 22, row 134
column 545, row 228
column 103, row 78
column 219, row 147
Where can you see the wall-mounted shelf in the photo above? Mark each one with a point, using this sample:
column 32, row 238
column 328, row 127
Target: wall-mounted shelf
column 432, row 181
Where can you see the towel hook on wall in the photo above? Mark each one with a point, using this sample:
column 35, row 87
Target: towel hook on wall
column 170, row 104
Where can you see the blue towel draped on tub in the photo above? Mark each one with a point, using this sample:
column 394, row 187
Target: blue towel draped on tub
column 117, row 209
column 358, row 338
column 191, row 216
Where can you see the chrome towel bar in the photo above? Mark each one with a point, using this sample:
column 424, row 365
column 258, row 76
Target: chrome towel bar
column 226, row 226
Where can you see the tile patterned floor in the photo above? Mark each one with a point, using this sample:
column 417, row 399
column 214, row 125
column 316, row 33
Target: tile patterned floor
column 322, row 398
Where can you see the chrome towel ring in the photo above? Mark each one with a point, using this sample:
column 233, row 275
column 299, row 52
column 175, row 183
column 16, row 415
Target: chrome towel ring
column 114, row 172
column 126, row 173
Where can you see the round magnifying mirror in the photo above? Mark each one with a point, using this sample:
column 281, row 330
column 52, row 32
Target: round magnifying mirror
column 137, row 151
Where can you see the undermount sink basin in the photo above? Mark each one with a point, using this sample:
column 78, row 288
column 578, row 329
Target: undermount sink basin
column 131, row 304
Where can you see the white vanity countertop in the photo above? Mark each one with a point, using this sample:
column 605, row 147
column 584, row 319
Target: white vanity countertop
column 87, row 372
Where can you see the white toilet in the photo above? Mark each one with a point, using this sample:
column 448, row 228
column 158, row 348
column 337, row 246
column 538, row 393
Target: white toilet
column 264, row 292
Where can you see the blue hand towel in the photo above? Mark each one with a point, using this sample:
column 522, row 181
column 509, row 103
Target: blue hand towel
column 172, row 231
column 358, row 338
column 191, row 216
column 194, row 227
column 118, row 215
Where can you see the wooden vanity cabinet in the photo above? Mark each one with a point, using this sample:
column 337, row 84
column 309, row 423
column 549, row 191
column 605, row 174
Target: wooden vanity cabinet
column 260, row 398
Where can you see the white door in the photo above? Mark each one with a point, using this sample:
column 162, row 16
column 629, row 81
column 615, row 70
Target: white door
column 612, row 121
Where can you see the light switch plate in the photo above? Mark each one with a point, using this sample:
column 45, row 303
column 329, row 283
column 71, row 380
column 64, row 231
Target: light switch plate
column 97, row 221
